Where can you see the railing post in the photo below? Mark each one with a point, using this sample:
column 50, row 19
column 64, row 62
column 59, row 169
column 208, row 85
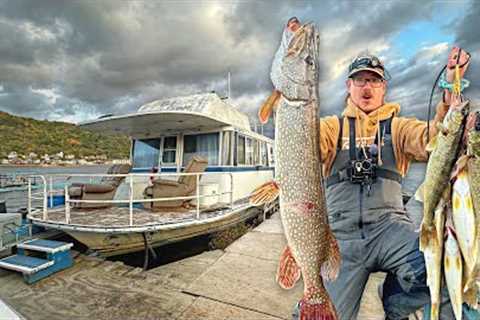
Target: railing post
column 29, row 202
column 197, row 176
column 45, row 199
column 51, row 191
column 67, row 205
column 131, row 199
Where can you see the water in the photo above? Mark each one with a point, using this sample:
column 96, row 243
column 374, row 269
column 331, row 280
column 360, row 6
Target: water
column 18, row 199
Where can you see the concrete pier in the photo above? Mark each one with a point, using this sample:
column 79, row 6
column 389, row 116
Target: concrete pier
column 237, row 283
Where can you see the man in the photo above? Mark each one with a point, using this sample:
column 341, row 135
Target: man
column 367, row 214
column 368, row 217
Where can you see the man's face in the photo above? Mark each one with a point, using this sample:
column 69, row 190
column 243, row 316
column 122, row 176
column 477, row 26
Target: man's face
column 367, row 90
column 293, row 25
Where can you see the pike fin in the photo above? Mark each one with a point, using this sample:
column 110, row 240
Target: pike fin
column 317, row 309
column 428, row 237
column 266, row 193
column 419, row 194
column 331, row 267
column 266, row 109
column 432, row 144
column 288, row 272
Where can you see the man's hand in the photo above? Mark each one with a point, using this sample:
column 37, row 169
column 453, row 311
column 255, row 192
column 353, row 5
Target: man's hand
column 462, row 58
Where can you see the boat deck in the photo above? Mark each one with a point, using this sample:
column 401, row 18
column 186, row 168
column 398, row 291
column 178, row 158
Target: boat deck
column 117, row 217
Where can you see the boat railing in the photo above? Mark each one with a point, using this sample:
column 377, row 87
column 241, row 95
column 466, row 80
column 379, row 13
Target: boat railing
column 48, row 191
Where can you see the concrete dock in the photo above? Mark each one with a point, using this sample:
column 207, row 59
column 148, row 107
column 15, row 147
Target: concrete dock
column 235, row 283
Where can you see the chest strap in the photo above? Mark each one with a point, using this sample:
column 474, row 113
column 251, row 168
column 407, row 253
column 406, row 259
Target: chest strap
column 343, row 174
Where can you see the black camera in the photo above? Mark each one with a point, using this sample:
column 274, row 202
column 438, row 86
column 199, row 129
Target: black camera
column 362, row 171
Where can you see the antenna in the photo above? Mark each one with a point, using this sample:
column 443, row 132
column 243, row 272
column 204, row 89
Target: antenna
column 229, row 87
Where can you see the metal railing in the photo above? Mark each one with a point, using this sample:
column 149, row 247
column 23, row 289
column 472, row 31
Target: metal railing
column 48, row 193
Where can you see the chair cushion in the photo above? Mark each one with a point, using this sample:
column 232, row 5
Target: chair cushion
column 159, row 182
column 97, row 188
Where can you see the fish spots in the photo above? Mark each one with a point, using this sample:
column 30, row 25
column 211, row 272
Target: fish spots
column 456, row 202
column 447, row 263
column 469, row 203
column 458, row 263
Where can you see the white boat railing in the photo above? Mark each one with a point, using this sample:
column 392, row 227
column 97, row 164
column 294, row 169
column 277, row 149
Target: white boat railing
column 48, row 191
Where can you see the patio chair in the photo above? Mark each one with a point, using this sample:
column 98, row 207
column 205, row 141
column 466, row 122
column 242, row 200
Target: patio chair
column 104, row 190
column 183, row 187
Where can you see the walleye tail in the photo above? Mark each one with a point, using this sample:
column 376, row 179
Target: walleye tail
column 331, row 267
column 266, row 109
column 320, row 308
column 288, row 271
column 428, row 237
column 264, row 194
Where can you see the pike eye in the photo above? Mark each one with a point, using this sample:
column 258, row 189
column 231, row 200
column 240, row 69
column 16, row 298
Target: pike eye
column 309, row 60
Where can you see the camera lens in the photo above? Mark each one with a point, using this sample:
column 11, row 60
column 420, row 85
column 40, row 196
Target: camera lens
column 366, row 165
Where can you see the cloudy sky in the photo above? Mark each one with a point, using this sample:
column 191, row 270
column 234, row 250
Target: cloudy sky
column 76, row 60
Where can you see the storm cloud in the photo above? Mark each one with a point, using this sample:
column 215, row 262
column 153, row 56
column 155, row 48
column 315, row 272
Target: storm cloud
column 76, row 60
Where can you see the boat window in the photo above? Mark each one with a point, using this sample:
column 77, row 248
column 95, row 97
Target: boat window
column 226, row 149
column 271, row 155
column 204, row 145
column 263, row 153
column 169, row 150
column 241, row 150
column 248, row 151
column 256, row 154
column 146, row 153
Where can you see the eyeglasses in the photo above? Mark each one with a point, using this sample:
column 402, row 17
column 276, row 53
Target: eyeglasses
column 361, row 82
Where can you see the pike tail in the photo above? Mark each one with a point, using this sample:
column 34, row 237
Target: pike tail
column 266, row 109
column 264, row 194
column 428, row 237
column 288, row 271
column 331, row 267
column 316, row 305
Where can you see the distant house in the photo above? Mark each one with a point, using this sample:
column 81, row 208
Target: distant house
column 12, row 155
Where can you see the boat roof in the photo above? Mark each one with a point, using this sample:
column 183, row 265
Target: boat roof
column 197, row 112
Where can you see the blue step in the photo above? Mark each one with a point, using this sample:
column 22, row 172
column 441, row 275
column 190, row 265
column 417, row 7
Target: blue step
column 25, row 264
column 48, row 246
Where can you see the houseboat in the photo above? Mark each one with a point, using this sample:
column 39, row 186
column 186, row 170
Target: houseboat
column 194, row 161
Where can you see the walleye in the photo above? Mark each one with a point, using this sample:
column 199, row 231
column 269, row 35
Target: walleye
column 312, row 248
column 433, row 257
column 453, row 271
column 473, row 168
column 438, row 171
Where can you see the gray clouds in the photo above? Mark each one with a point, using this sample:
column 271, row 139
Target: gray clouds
column 79, row 59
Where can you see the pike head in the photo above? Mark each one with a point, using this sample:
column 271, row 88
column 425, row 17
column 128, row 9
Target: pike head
column 299, row 65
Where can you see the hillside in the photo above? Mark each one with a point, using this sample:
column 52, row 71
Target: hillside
column 25, row 135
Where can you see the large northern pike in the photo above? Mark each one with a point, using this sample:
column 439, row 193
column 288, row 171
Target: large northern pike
column 312, row 248
column 439, row 169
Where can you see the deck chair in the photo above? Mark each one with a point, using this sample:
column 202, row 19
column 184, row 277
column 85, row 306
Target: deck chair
column 104, row 190
column 183, row 187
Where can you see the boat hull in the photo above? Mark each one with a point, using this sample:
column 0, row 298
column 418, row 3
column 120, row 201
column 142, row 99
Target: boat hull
column 111, row 244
